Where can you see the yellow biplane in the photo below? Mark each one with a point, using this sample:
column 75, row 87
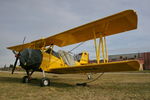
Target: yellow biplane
column 39, row 54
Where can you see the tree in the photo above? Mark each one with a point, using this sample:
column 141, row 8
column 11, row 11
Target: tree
column 10, row 66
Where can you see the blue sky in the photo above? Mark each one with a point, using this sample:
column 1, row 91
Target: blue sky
column 41, row 18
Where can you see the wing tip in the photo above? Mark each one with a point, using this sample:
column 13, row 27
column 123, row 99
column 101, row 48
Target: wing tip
column 134, row 64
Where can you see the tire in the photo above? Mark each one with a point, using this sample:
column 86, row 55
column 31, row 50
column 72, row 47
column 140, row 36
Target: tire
column 26, row 79
column 45, row 82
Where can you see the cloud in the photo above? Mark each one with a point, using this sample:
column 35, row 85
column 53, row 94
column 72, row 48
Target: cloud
column 41, row 18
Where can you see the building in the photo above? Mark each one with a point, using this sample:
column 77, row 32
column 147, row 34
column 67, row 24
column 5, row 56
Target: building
column 143, row 58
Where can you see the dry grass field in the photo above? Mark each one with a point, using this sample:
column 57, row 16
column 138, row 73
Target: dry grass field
column 111, row 86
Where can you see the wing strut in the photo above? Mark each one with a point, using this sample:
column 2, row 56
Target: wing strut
column 100, row 48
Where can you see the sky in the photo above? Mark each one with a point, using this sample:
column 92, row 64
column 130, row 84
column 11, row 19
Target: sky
column 35, row 19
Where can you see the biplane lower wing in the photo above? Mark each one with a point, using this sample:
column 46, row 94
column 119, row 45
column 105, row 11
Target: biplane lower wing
column 97, row 68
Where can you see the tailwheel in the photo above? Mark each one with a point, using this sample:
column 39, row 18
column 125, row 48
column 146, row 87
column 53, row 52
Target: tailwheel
column 45, row 82
column 26, row 79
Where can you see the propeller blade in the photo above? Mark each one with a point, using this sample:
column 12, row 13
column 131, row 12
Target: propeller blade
column 15, row 65
column 14, row 52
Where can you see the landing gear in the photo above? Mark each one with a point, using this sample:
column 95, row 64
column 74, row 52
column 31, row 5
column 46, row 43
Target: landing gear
column 89, row 76
column 26, row 79
column 45, row 82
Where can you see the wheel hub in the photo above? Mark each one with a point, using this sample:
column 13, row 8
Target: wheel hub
column 45, row 82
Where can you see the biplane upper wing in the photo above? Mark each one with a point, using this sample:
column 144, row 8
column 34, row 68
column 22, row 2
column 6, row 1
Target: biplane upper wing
column 120, row 66
column 120, row 22
column 117, row 23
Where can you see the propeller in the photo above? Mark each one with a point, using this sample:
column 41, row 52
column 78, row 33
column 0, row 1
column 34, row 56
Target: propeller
column 14, row 67
column 17, row 57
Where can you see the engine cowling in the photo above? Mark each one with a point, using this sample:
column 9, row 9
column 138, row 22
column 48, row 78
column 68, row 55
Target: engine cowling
column 30, row 58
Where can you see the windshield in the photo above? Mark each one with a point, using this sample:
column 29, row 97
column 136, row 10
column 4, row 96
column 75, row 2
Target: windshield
column 53, row 52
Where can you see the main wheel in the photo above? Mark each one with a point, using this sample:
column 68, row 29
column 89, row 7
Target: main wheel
column 45, row 82
column 25, row 79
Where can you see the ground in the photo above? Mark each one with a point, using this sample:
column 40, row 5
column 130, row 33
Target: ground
column 111, row 86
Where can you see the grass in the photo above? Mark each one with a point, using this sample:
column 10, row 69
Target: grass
column 111, row 86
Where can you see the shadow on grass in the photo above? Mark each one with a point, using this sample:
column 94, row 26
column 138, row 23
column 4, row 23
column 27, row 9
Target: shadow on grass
column 9, row 80
column 61, row 85
column 34, row 82
column 52, row 84
column 136, row 86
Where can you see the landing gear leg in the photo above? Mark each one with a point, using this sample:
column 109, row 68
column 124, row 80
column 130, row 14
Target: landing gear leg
column 27, row 79
column 44, row 81
column 89, row 76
